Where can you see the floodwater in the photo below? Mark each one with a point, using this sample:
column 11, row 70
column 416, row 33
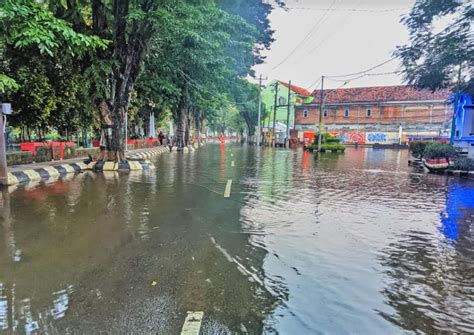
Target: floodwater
column 345, row 243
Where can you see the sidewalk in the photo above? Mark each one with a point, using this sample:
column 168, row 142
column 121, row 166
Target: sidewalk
column 130, row 154
column 54, row 169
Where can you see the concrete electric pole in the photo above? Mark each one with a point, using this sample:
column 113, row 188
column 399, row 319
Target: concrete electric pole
column 287, row 141
column 259, row 125
column 274, row 114
column 321, row 102
column 6, row 109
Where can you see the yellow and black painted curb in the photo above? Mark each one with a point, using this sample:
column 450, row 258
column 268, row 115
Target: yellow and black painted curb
column 136, row 156
column 59, row 171
column 129, row 165
column 135, row 162
column 44, row 173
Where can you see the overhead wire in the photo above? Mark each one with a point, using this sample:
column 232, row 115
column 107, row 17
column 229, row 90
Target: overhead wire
column 394, row 57
column 351, row 9
column 311, row 31
column 340, row 24
column 198, row 86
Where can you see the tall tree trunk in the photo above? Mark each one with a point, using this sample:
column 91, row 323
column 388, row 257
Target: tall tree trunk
column 181, row 129
column 130, row 41
column 187, row 133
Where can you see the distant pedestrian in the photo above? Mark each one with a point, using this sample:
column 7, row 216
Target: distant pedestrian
column 161, row 137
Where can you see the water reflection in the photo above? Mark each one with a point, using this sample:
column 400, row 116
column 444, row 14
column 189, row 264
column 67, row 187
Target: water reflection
column 110, row 235
column 352, row 243
column 430, row 278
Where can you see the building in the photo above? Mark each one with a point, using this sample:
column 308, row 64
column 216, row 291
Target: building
column 298, row 96
column 463, row 130
column 384, row 114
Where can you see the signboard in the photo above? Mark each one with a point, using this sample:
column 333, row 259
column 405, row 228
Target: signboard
column 6, row 108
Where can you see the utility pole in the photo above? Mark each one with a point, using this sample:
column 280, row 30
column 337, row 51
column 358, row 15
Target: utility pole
column 259, row 127
column 274, row 114
column 287, row 142
column 321, row 101
column 3, row 156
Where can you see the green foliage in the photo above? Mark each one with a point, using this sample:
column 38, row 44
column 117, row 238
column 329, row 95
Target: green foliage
column 417, row 148
column 27, row 23
column 463, row 164
column 327, row 147
column 328, row 138
column 7, row 84
column 439, row 150
column 174, row 57
column 332, row 147
column 443, row 59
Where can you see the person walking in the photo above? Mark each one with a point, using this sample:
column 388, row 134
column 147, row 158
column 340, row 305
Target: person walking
column 161, row 137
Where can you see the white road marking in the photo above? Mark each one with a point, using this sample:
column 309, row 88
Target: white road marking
column 228, row 187
column 232, row 164
column 192, row 324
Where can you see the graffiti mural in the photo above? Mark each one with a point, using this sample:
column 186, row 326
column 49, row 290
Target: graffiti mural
column 350, row 137
column 376, row 137
column 382, row 137
column 359, row 137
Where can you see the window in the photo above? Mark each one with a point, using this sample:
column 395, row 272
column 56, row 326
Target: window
column 369, row 112
column 305, row 113
column 282, row 101
column 346, row 112
column 325, row 113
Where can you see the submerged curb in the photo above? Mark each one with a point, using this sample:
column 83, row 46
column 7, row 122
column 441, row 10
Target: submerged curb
column 45, row 173
column 147, row 154
column 135, row 162
column 58, row 171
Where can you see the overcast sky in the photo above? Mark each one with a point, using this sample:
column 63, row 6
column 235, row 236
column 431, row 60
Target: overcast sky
column 335, row 37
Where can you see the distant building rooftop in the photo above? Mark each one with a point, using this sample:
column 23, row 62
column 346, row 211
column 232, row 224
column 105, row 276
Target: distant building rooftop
column 379, row 94
column 298, row 90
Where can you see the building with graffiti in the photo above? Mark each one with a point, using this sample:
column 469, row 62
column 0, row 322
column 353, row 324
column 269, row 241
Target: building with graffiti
column 384, row 114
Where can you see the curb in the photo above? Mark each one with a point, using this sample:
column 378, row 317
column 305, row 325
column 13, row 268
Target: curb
column 135, row 162
column 130, row 165
column 147, row 154
column 59, row 171
column 45, row 173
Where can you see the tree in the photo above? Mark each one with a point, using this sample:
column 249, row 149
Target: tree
column 26, row 23
column 441, row 59
column 195, row 62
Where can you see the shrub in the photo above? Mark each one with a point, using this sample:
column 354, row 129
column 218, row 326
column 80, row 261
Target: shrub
column 19, row 157
column 439, row 150
column 332, row 147
column 84, row 152
column 69, row 151
column 43, row 154
column 328, row 138
column 463, row 164
column 417, row 149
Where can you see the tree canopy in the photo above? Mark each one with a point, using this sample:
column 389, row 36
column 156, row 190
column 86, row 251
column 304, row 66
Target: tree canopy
column 441, row 49
column 89, row 63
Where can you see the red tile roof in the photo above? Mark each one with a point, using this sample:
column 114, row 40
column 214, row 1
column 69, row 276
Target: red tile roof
column 379, row 94
column 298, row 90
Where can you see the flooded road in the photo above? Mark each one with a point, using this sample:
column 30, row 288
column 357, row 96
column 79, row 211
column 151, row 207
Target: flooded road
column 347, row 243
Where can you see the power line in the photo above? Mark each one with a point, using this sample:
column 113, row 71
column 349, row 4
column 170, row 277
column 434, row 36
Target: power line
column 198, row 86
column 364, row 71
column 366, row 75
column 394, row 57
column 312, row 30
column 339, row 25
column 316, row 83
column 351, row 9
